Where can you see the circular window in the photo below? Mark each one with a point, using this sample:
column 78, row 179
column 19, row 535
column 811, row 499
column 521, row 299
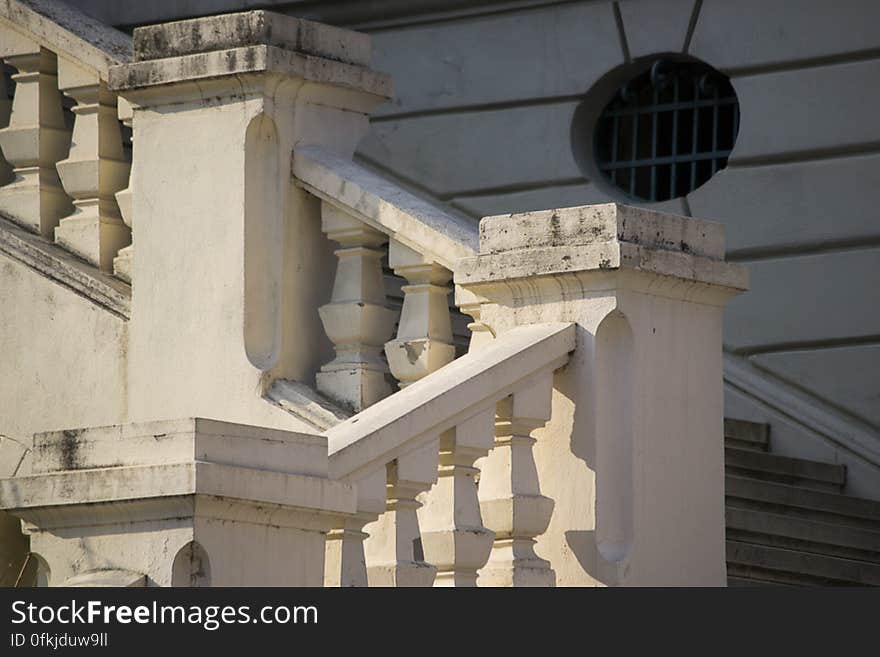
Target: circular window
column 667, row 130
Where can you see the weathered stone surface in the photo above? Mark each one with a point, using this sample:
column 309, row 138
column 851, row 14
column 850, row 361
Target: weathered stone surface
column 580, row 226
column 153, row 488
column 579, row 240
column 59, row 265
column 248, row 43
column 174, row 441
column 439, row 235
column 250, row 28
column 64, row 29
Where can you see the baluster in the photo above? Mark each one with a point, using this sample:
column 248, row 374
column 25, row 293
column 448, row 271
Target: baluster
column 510, row 493
column 344, row 563
column 94, row 171
column 36, row 138
column 123, row 262
column 453, row 534
column 5, row 111
column 424, row 336
column 394, row 552
column 356, row 319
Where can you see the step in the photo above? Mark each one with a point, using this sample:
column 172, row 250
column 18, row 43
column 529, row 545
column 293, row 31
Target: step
column 800, row 502
column 785, row 531
column 748, row 581
column 747, row 435
column 744, row 575
column 784, row 469
column 765, row 562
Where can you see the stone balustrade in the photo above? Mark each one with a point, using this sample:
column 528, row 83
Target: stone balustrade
column 67, row 166
column 540, row 457
column 430, row 434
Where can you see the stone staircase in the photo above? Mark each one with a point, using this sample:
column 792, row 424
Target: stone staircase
column 788, row 522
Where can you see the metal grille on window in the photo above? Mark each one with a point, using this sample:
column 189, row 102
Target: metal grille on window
column 667, row 131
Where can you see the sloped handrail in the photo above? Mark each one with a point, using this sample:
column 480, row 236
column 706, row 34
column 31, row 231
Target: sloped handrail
column 445, row 397
column 64, row 29
column 438, row 235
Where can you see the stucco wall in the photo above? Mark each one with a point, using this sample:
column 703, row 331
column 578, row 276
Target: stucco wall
column 74, row 375
column 483, row 110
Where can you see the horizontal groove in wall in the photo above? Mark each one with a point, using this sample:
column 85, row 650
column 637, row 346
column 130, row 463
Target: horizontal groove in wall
column 514, row 188
column 431, row 195
column 480, row 10
column 795, row 65
column 479, row 107
column 386, row 172
column 759, row 253
column 807, row 345
column 814, row 155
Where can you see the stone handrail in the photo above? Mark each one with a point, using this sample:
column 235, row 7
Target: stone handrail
column 361, row 211
column 64, row 178
column 492, row 397
column 385, row 207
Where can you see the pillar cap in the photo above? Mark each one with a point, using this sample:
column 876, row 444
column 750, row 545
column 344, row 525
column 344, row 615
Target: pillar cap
column 600, row 238
column 249, row 42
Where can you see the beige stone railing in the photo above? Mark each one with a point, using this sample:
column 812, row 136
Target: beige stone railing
column 362, row 213
column 65, row 172
column 412, row 454
column 412, row 458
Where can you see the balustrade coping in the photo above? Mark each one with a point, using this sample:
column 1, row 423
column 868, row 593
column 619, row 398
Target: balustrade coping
column 69, row 32
column 463, row 387
column 64, row 268
column 438, row 235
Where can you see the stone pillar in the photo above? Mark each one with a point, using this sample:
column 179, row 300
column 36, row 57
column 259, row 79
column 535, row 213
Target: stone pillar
column 394, row 550
column 356, row 319
column 453, row 535
column 36, row 138
column 633, row 455
column 94, row 170
column 510, row 493
column 218, row 110
column 424, row 335
column 345, row 563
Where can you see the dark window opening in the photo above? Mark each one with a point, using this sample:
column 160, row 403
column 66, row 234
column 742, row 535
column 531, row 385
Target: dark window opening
column 667, row 131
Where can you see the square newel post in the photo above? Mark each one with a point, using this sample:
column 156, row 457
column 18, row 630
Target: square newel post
column 633, row 455
column 233, row 252
column 36, row 138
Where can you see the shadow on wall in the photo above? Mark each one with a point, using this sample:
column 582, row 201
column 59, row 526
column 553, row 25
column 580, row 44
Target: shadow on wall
column 602, row 437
